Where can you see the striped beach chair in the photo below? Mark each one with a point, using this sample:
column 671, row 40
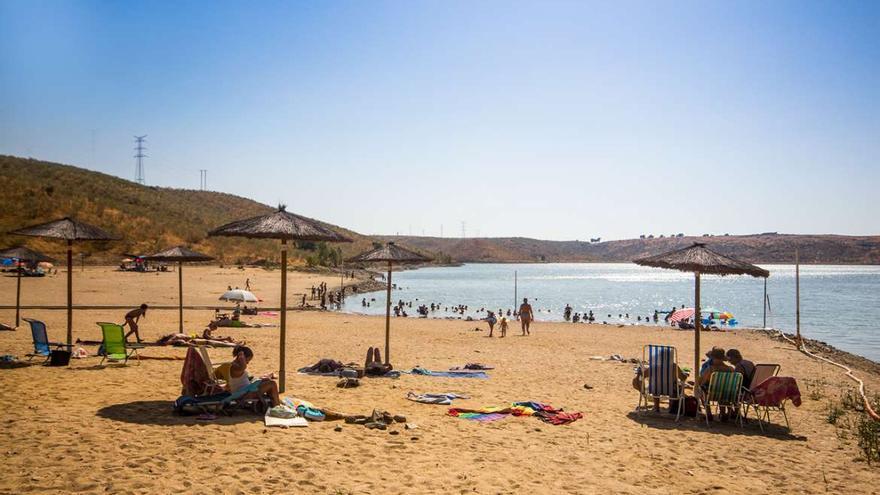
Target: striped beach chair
column 725, row 389
column 660, row 364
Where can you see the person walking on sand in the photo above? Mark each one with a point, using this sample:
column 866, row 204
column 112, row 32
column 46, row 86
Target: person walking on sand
column 502, row 327
column 132, row 318
column 491, row 320
column 526, row 316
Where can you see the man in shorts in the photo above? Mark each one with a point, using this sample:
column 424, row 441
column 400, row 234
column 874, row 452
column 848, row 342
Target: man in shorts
column 526, row 316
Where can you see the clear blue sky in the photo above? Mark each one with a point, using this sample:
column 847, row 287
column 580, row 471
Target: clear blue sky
column 557, row 120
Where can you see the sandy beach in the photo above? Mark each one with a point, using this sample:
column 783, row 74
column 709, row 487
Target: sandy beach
column 110, row 429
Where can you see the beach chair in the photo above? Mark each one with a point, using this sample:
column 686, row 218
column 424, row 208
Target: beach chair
column 42, row 346
column 662, row 381
column 762, row 412
column 217, row 382
column 114, row 344
column 223, row 402
column 725, row 389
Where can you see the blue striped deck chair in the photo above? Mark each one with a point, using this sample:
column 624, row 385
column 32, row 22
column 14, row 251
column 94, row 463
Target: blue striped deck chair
column 662, row 382
column 42, row 346
column 725, row 389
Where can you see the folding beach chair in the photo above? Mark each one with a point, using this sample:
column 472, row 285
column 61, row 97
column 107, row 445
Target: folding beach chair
column 724, row 390
column 662, row 381
column 761, row 373
column 114, row 344
column 42, row 346
column 217, row 382
column 225, row 402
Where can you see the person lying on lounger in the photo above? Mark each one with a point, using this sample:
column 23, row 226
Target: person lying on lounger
column 238, row 376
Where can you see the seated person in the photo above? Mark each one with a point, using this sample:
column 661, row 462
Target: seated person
column 644, row 373
column 716, row 363
column 740, row 365
column 238, row 377
column 374, row 365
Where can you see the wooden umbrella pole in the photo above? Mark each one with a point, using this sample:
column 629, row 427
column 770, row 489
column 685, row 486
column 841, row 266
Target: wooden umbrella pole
column 388, row 318
column 281, row 377
column 18, row 296
column 697, row 325
column 69, row 292
column 765, row 302
column 797, row 296
column 180, row 291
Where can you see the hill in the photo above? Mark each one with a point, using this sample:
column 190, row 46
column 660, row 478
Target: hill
column 761, row 248
column 151, row 218
column 147, row 218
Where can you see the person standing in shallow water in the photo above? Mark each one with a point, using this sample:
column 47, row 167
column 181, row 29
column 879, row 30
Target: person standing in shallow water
column 526, row 316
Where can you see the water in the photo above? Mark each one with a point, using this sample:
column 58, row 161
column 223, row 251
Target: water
column 839, row 304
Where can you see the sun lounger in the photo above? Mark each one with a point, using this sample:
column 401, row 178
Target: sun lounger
column 662, row 381
column 225, row 402
column 42, row 346
column 114, row 344
column 725, row 389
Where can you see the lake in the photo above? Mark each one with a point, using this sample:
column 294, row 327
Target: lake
column 839, row 304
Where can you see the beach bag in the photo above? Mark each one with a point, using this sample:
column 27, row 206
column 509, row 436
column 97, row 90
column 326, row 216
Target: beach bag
column 59, row 358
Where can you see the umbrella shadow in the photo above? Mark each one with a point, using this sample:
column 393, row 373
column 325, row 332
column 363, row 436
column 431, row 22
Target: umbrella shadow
column 664, row 421
column 160, row 413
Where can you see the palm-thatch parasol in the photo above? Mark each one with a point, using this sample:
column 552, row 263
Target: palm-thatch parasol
column 287, row 227
column 701, row 260
column 22, row 254
column 390, row 253
column 69, row 230
column 179, row 254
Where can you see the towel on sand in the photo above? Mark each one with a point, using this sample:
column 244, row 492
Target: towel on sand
column 448, row 374
column 544, row 412
column 443, row 399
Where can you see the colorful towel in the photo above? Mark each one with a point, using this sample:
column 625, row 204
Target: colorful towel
column 773, row 391
column 194, row 375
column 544, row 412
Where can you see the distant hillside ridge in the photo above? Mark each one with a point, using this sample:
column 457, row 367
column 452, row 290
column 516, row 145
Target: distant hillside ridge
column 147, row 218
column 759, row 248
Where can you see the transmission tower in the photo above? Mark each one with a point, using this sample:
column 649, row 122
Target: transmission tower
column 139, row 155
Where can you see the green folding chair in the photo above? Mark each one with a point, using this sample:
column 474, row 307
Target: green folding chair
column 114, row 344
column 724, row 390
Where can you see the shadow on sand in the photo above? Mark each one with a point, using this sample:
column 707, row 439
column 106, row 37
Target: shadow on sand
column 159, row 412
column 664, row 421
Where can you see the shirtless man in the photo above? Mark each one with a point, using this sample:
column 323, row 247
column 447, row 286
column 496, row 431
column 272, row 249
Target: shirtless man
column 131, row 319
column 526, row 316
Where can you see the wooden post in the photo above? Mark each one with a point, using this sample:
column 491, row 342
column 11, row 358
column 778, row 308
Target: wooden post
column 388, row 318
column 515, row 295
column 180, row 291
column 797, row 295
column 697, row 326
column 281, row 376
column 765, row 302
column 18, row 295
column 69, row 292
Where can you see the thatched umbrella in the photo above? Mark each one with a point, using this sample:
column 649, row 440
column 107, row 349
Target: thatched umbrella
column 701, row 260
column 179, row 254
column 287, row 227
column 390, row 253
column 69, row 230
column 22, row 254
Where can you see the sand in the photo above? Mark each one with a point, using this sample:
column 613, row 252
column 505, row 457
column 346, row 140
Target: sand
column 110, row 429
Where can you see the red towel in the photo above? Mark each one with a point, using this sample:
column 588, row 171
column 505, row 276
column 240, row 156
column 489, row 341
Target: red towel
column 194, row 375
column 773, row 391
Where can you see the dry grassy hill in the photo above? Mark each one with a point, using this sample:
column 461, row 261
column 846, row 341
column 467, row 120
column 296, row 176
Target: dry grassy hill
column 147, row 218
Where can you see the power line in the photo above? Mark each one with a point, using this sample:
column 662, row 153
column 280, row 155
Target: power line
column 139, row 155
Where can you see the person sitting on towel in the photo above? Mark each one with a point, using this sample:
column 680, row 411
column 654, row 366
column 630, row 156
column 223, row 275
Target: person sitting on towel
column 238, row 376
column 374, row 365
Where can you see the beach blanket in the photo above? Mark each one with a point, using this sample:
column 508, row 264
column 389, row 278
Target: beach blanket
column 442, row 399
column 544, row 412
column 471, row 366
column 448, row 374
column 775, row 390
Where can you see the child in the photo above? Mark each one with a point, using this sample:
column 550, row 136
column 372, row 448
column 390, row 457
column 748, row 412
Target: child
column 503, row 326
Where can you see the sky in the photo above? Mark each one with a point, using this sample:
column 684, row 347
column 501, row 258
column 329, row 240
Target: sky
column 552, row 120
